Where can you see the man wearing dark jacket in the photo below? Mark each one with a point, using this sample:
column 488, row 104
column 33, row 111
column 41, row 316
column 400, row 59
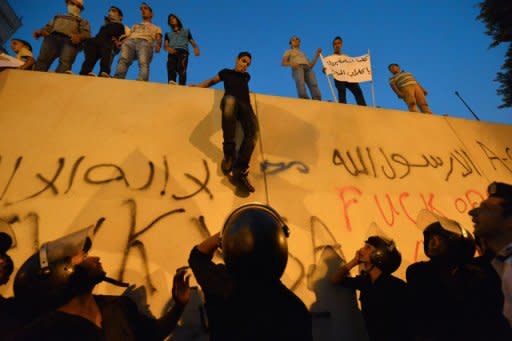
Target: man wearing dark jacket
column 245, row 299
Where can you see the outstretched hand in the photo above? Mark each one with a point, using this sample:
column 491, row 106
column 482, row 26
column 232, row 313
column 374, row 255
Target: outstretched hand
column 181, row 286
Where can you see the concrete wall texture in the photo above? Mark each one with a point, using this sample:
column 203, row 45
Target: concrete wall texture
column 146, row 158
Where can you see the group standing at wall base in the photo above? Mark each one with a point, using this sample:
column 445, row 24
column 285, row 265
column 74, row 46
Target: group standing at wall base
column 452, row 296
column 67, row 34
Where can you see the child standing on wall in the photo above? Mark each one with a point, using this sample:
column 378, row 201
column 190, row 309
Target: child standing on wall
column 176, row 44
column 23, row 52
column 236, row 106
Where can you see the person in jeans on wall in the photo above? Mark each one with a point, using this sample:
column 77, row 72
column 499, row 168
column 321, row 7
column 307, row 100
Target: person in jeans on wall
column 176, row 44
column 139, row 45
column 63, row 36
column 302, row 69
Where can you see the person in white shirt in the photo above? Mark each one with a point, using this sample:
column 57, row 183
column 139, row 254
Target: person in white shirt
column 139, row 45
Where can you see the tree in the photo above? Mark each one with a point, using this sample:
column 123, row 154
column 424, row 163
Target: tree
column 497, row 16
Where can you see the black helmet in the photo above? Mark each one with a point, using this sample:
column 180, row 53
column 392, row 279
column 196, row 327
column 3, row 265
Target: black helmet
column 42, row 280
column 5, row 244
column 386, row 257
column 460, row 244
column 254, row 243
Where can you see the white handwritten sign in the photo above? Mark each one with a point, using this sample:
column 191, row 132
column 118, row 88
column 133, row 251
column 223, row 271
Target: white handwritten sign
column 348, row 69
column 8, row 61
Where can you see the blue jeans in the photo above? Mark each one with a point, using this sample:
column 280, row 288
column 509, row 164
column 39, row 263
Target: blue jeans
column 304, row 74
column 139, row 49
column 56, row 45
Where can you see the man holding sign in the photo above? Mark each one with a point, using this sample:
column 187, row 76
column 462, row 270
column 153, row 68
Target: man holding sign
column 347, row 72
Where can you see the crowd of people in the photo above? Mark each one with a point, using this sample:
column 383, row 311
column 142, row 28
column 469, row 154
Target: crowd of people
column 455, row 295
column 67, row 34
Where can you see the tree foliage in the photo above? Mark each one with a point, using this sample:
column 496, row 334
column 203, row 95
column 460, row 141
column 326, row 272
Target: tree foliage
column 497, row 16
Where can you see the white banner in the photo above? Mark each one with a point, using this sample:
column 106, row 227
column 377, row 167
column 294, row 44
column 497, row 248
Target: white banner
column 348, row 69
column 8, row 61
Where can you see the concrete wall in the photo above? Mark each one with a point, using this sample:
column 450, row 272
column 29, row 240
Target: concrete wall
column 146, row 157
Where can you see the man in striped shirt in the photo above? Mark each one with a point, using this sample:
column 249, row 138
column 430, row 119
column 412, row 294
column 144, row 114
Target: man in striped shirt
column 407, row 88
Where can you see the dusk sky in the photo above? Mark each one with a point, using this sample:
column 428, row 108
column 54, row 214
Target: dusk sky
column 439, row 41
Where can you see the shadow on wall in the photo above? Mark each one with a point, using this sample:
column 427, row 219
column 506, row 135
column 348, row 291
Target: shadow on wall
column 336, row 315
column 203, row 132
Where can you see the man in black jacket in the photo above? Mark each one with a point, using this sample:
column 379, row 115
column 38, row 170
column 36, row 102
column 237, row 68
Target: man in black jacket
column 101, row 47
column 245, row 299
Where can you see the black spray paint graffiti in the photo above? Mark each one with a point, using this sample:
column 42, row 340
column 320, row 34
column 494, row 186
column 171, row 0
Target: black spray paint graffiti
column 134, row 242
column 277, row 167
column 494, row 158
column 367, row 161
column 94, row 175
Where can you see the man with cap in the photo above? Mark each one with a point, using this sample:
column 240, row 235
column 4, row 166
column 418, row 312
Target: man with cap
column 492, row 220
column 139, row 45
column 23, row 51
column 245, row 298
column 383, row 296
column 63, row 37
column 455, row 297
column 61, row 277
column 102, row 46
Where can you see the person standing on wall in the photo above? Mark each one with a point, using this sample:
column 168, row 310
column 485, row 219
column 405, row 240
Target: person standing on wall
column 23, row 51
column 176, row 44
column 406, row 87
column 139, row 44
column 354, row 88
column 302, row 69
column 102, row 46
column 236, row 106
column 63, row 36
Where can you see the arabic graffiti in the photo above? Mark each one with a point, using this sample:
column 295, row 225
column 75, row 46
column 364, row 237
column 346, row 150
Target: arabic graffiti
column 96, row 175
column 377, row 163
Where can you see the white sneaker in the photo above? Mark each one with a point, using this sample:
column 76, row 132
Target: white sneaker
column 173, row 83
column 104, row 74
column 91, row 74
column 69, row 72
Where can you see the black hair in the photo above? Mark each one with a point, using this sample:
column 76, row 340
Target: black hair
column 503, row 191
column 24, row 42
column 337, row 38
column 244, row 54
column 9, row 266
column 395, row 64
column 290, row 41
column 117, row 9
column 146, row 4
column 180, row 25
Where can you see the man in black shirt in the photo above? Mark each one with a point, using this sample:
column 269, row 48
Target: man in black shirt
column 383, row 296
column 456, row 297
column 101, row 47
column 236, row 106
column 245, row 299
column 62, row 276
